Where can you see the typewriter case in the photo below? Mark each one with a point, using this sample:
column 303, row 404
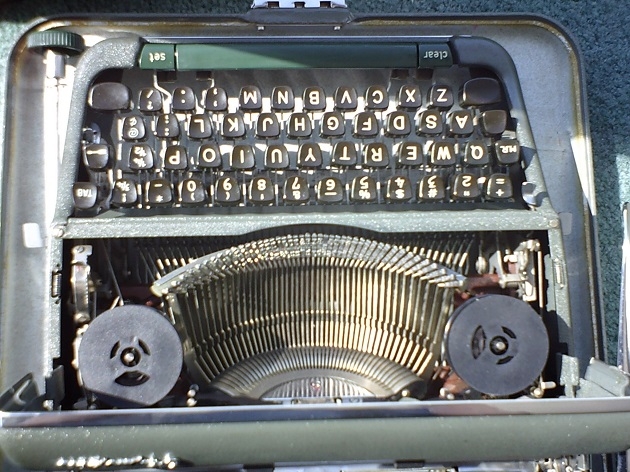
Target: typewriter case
column 57, row 263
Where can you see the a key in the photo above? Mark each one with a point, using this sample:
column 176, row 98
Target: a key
column 242, row 157
column 192, row 192
column 346, row 98
column 344, row 154
column 124, row 193
column 314, row 99
column 227, row 190
column 296, row 190
column 199, row 127
column 333, row 125
column 375, row 155
column 363, row 189
column 409, row 96
column 133, row 128
column 365, row 125
column 167, row 126
column 431, row 188
column 508, row 151
column 150, row 100
column 299, row 126
column 159, row 192
column 465, row 187
column 96, row 156
column 176, row 158
column 276, row 157
column 109, row 96
column 493, row 122
column 261, row 190
column 443, row 153
column 267, row 126
column 410, row 154
column 398, row 124
column 309, row 156
column 398, row 189
column 430, row 123
column 376, row 98
column 84, row 195
column 183, row 99
column 440, row 96
column 282, row 98
column 215, row 99
column 250, row 98
column 476, row 154
column 461, row 123
column 140, row 157
column 329, row 190
column 499, row 187
column 209, row 156
column 480, row 91
column 233, row 126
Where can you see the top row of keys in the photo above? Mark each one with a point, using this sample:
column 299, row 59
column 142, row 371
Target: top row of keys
column 114, row 96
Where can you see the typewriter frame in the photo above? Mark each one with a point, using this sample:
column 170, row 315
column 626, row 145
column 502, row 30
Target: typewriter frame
column 424, row 432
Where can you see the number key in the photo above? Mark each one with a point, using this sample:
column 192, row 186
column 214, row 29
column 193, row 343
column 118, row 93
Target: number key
column 363, row 189
column 192, row 192
column 261, row 190
column 465, row 187
column 296, row 190
column 329, row 190
column 398, row 189
column 227, row 190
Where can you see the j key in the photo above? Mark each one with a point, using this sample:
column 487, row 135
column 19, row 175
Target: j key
column 508, row 151
column 476, row 154
column 398, row 189
column 124, row 193
column 282, row 98
column 440, row 96
column 192, row 192
column 398, row 124
column 465, row 187
column 84, row 195
column 309, row 155
column 199, row 127
column 215, row 99
column 227, row 190
column 96, row 156
column 332, row 125
column 140, row 157
column 375, row 155
column 480, row 91
column 431, row 188
column 443, row 154
column 377, row 98
column 409, row 96
column 365, row 125
column 363, row 189
column 209, row 156
column 276, row 157
column 499, row 187
column 410, row 154
column 461, row 123
column 183, row 99
column 493, row 122
column 261, row 190
column 299, row 126
column 329, row 190
column 314, row 99
column 109, row 96
column 242, row 157
column 150, row 100
column 267, row 126
column 175, row 158
column 133, row 128
column 167, row 126
column 250, row 98
column 346, row 98
column 430, row 123
column 344, row 154
column 233, row 126
column 296, row 190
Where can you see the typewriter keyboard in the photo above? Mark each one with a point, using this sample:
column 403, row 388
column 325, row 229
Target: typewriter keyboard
column 398, row 138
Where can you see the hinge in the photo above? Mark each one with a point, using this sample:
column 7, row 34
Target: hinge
column 299, row 4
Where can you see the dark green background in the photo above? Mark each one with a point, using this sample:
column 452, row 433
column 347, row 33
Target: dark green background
column 600, row 28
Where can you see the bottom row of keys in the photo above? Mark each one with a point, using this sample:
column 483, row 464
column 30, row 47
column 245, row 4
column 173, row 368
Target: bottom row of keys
column 261, row 190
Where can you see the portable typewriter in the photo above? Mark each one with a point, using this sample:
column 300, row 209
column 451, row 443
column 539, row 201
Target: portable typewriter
column 301, row 237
